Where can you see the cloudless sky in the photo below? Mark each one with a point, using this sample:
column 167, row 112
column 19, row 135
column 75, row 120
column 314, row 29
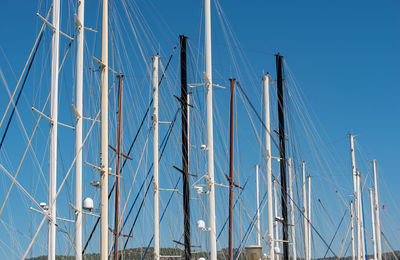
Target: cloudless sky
column 345, row 55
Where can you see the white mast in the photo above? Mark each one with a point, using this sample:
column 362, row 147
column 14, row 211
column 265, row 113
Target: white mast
column 305, row 213
column 55, row 47
column 78, row 130
column 104, row 135
column 353, row 249
column 355, row 187
column 265, row 80
column 371, row 196
column 309, row 218
column 376, row 207
column 210, row 139
column 292, row 224
column 156, row 207
column 258, row 208
column 361, row 215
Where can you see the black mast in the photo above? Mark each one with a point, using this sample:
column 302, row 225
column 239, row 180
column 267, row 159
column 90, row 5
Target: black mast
column 185, row 148
column 281, row 116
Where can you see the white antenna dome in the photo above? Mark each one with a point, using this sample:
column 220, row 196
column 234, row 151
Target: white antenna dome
column 43, row 205
column 199, row 189
column 88, row 204
column 201, row 225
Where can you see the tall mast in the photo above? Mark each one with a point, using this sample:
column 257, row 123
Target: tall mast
column 78, row 130
column 360, row 210
column 185, row 148
column 210, row 138
column 309, row 217
column 117, row 167
column 355, row 187
column 353, row 249
column 371, row 196
column 231, row 133
column 258, row 207
column 281, row 117
column 55, row 47
column 376, row 208
column 305, row 212
column 156, row 207
column 292, row 223
column 276, row 216
column 265, row 80
column 104, row 135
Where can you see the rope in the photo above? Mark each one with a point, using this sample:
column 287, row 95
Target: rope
column 148, row 186
column 234, row 205
column 247, row 233
column 20, row 91
column 162, row 217
column 130, row 148
column 30, row 140
column 26, row 64
column 387, row 242
column 255, row 111
column 59, row 190
column 334, row 235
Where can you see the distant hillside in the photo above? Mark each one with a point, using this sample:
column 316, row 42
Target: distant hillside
column 137, row 253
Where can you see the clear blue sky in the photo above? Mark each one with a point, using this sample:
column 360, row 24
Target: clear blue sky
column 344, row 55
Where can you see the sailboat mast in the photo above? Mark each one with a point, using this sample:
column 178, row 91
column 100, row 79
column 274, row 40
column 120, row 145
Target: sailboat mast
column 117, row 166
column 104, row 135
column 376, row 208
column 156, row 198
column 78, row 130
column 277, row 218
column 258, row 207
column 371, row 197
column 281, row 117
column 55, row 47
column 355, row 187
column 266, row 80
column 305, row 212
column 231, row 135
column 210, row 138
column 185, row 148
column 292, row 223
column 359, row 188
column 353, row 249
column 309, row 217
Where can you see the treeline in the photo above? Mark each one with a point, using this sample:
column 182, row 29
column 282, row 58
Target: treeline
column 176, row 253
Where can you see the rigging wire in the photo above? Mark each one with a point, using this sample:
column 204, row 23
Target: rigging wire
column 257, row 114
column 20, row 91
column 23, row 71
column 30, row 140
column 162, row 217
column 163, row 145
column 131, row 146
column 337, row 229
column 59, row 189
